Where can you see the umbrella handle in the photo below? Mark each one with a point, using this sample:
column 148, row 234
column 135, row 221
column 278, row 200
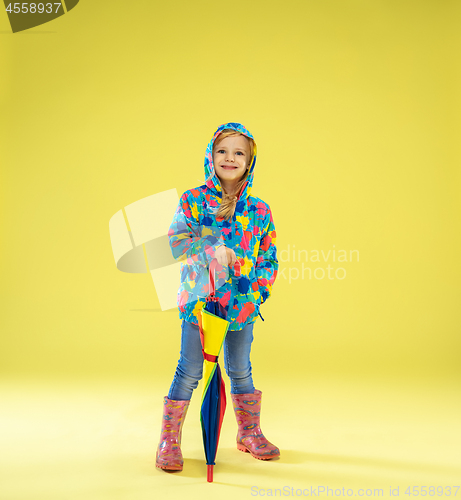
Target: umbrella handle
column 213, row 264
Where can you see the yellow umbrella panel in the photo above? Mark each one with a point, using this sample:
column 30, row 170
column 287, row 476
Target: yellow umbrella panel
column 213, row 330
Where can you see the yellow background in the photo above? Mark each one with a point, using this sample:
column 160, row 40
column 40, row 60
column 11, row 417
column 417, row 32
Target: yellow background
column 355, row 108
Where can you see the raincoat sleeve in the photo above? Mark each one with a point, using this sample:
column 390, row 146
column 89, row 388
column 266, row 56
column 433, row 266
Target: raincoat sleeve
column 266, row 263
column 188, row 239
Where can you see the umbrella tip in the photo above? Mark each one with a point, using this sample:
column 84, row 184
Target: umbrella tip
column 209, row 477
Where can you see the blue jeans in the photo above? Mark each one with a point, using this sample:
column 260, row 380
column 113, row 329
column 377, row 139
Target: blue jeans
column 237, row 346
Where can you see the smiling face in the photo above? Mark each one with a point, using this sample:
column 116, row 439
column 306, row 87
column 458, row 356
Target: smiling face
column 231, row 157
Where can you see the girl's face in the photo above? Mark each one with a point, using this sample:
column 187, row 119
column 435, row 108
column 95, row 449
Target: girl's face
column 231, row 157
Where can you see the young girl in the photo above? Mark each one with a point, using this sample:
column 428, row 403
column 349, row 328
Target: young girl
column 221, row 220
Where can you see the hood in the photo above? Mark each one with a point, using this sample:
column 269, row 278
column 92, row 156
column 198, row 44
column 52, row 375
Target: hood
column 211, row 179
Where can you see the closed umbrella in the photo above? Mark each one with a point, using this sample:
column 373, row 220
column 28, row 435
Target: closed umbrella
column 213, row 329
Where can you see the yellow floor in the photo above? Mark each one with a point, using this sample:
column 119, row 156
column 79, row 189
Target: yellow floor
column 96, row 440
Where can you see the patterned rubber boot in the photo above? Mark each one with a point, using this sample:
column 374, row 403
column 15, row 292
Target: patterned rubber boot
column 250, row 439
column 169, row 454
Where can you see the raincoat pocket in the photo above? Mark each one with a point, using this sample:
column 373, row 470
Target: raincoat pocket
column 255, row 286
column 255, row 289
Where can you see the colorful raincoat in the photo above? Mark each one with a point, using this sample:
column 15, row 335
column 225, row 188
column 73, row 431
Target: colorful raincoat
column 196, row 233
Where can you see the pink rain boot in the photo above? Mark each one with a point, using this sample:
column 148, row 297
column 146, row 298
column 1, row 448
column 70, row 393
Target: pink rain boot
column 169, row 454
column 250, row 439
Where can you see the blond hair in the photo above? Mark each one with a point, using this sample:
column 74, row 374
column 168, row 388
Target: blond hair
column 229, row 200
